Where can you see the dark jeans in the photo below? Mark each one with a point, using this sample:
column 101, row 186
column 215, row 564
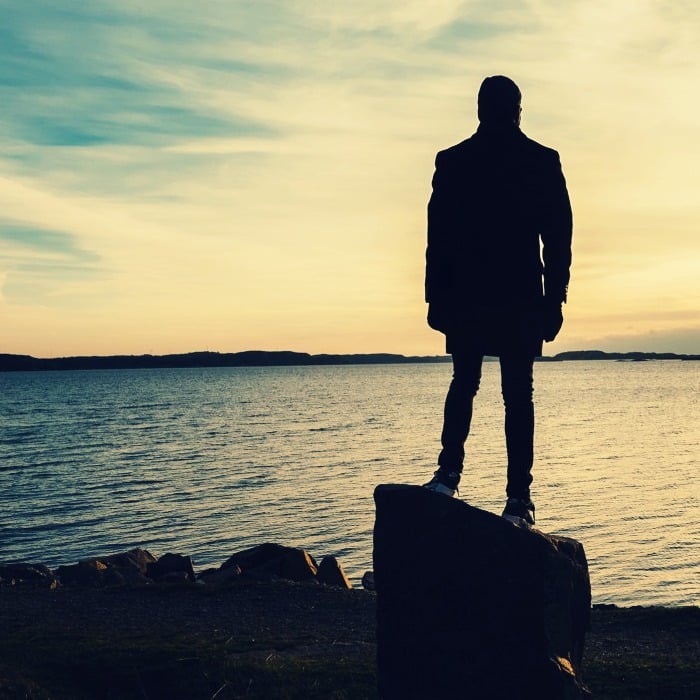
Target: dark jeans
column 516, row 387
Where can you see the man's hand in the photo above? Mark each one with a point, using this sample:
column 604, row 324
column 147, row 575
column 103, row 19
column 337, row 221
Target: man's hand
column 438, row 317
column 552, row 320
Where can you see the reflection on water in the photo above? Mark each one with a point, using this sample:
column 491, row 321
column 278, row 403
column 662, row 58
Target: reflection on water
column 208, row 461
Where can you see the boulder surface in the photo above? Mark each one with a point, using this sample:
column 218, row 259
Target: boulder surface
column 270, row 560
column 470, row 606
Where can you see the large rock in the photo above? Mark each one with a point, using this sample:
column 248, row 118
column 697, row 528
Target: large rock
column 171, row 567
column 38, row 575
column 220, row 576
column 136, row 560
column 331, row 573
column 469, row 606
column 89, row 572
column 124, row 568
column 270, row 560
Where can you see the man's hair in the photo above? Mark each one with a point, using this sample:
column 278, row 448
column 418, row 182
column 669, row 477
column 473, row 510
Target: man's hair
column 498, row 100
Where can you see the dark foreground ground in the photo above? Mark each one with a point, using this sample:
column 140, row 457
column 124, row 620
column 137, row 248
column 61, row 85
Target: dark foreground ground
column 274, row 641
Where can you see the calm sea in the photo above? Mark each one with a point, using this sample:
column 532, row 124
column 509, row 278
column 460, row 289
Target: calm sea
column 209, row 461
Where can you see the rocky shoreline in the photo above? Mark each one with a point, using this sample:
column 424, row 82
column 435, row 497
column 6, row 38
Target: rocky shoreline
column 256, row 634
column 138, row 567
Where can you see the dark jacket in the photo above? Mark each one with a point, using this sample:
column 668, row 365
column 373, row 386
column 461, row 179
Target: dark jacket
column 495, row 197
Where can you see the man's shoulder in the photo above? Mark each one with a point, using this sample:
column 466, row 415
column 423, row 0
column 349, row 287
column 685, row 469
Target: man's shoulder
column 539, row 149
column 523, row 143
column 456, row 152
column 457, row 148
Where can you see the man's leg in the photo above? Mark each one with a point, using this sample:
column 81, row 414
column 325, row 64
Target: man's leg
column 458, row 410
column 516, row 385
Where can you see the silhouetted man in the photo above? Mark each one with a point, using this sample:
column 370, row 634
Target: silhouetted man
column 496, row 197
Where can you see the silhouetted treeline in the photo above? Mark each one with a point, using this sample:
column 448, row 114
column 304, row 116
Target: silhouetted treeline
column 250, row 358
column 625, row 356
column 261, row 358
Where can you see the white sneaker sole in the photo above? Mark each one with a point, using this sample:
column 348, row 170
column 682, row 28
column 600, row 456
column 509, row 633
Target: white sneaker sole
column 517, row 520
column 442, row 489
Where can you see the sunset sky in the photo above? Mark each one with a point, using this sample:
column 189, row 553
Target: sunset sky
column 232, row 175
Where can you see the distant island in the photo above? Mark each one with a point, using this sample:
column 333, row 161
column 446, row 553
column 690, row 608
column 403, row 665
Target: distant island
column 263, row 358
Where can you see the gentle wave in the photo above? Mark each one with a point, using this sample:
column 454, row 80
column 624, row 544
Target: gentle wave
column 209, row 461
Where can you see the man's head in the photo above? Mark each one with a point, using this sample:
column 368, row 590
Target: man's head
column 499, row 101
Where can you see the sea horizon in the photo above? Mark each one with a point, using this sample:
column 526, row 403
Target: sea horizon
column 11, row 362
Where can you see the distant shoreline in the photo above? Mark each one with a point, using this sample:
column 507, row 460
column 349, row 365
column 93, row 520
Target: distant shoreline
column 283, row 358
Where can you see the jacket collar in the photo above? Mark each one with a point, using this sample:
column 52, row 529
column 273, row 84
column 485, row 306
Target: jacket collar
column 499, row 131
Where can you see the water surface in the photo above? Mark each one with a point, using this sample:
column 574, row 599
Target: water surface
column 209, row 461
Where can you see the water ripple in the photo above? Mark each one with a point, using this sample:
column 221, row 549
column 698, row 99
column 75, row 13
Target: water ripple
column 209, row 461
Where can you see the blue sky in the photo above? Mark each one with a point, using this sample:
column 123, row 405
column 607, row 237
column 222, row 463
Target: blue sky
column 236, row 175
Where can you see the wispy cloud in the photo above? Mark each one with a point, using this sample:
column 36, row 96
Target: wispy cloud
column 43, row 241
column 107, row 75
column 266, row 165
column 39, row 264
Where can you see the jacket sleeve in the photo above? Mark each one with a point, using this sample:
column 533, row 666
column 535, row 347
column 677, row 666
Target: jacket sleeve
column 556, row 232
column 437, row 256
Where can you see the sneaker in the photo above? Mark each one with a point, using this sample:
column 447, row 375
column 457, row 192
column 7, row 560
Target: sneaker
column 520, row 512
column 444, row 483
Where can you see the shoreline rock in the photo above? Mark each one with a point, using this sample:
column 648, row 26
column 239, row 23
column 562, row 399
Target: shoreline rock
column 138, row 567
column 470, row 606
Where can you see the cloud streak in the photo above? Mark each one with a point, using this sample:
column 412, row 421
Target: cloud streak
column 265, row 166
